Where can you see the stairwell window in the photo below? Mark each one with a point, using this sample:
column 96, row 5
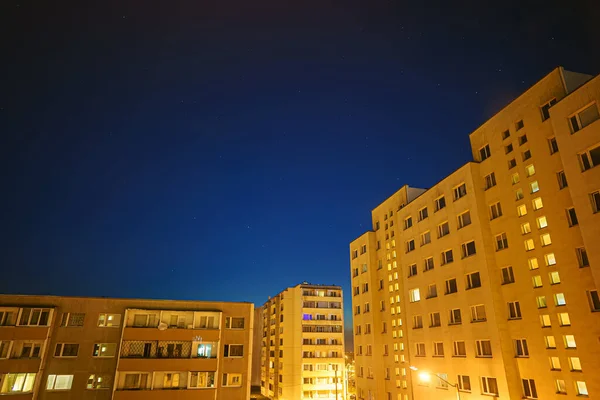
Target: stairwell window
column 583, row 118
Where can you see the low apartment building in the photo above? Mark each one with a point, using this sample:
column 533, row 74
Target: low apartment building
column 302, row 352
column 100, row 348
column 487, row 283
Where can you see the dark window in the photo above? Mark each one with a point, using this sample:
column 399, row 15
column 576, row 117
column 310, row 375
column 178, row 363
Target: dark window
column 546, row 109
column 572, row 216
column 553, row 145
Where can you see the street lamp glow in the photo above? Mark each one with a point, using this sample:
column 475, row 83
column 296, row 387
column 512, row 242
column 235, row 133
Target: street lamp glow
column 424, row 376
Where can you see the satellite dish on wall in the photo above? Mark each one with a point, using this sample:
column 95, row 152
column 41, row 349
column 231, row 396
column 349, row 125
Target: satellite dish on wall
column 162, row 326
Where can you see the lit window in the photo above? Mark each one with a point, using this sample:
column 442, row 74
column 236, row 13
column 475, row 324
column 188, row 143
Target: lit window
column 581, row 388
column 521, row 210
column 530, row 170
column 559, row 299
column 525, row 228
column 563, row 319
column 546, row 323
column 59, row 382
column 542, row 222
column 537, row 203
column 514, row 178
column 549, row 340
column 575, row 363
column 555, row 364
column 554, row 277
column 541, row 302
column 414, row 295
column 519, row 194
column 550, row 259
column 569, row 342
column 561, row 386
column 529, row 244
column 533, row 263
column 545, row 239
column 537, row 281
column 534, row 187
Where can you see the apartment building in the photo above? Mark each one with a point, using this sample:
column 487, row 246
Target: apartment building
column 125, row 349
column 487, row 283
column 302, row 351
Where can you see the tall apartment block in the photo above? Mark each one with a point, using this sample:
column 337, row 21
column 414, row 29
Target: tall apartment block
column 302, row 351
column 124, row 349
column 487, row 283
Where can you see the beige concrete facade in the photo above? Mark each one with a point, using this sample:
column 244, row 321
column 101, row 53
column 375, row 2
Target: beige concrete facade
column 302, row 352
column 100, row 348
column 489, row 279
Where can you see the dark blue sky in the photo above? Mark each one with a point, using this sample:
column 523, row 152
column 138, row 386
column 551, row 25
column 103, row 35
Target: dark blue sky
column 226, row 150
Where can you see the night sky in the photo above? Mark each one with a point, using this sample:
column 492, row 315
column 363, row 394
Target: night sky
column 221, row 150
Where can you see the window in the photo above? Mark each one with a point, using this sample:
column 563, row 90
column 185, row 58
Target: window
column 109, row 320
column 546, row 109
column 484, row 153
column 72, row 319
column 519, row 125
column 443, row 229
column 34, row 317
column 420, row 349
column 559, row 299
column 572, row 217
column 553, row 145
column 447, row 257
column 451, row 286
column 207, row 379
column 533, row 263
column 230, row 379
column 514, row 178
column 417, row 321
column 595, row 201
column 473, row 280
column 17, row 383
column 505, row 134
column 522, row 210
column 582, row 257
column 530, row 170
column 407, row 222
column 104, row 349
column 59, row 382
column 507, row 275
column 460, row 350
column 464, row 219
column 484, row 348
column 425, row 238
column 542, row 222
column 464, row 383
column 550, row 342
column 434, row 319
column 537, row 203
column 563, row 319
column 414, row 295
column 455, row 317
column 440, row 203
column 512, row 163
column 99, row 382
column 534, row 187
column 438, row 349
column 522, row 140
column 545, row 321
column 554, row 277
column 537, row 281
column 508, row 148
column 66, row 350
column 583, row 118
column 529, row 245
column 428, row 264
column 431, row 291
column 233, row 350
column 569, row 342
column 575, row 364
column 410, row 245
column 490, row 181
column 514, row 310
column 521, row 349
column 590, row 158
column 237, row 322
column 525, row 228
column 136, row 381
column 489, row 386
column 501, row 241
column 550, row 259
column 529, row 390
column 562, row 179
column 468, row 249
column 545, row 239
column 412, row 270
column 581, row 388
column 561, row 387
column 594, row 300
column 519, row 194
column 423, row 213
column 478, row 313
column 555, row 364
column 460, row 191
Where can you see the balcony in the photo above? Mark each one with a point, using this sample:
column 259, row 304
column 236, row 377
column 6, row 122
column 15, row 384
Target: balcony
column 168, row 356
column 182, row 334
column 33, row 333
column 181, row 394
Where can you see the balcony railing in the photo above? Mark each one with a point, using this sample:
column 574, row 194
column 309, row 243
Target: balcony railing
column 156, row 349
